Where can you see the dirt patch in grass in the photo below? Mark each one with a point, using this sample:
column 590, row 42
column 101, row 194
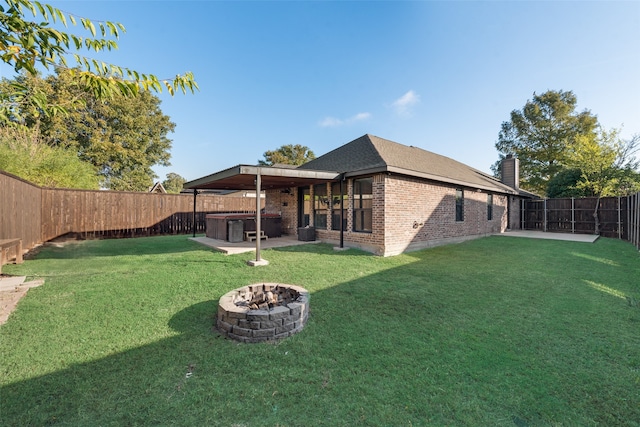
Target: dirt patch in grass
column 9, row 301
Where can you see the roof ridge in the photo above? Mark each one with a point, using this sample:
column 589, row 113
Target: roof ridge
column 369, row 154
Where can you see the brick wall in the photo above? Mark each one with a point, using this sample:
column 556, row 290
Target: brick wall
column 408, row 214
column 422, row 214
column 284, row 204
column 514, row 215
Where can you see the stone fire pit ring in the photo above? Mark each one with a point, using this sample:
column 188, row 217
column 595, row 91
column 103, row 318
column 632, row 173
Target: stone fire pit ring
column 263, row 312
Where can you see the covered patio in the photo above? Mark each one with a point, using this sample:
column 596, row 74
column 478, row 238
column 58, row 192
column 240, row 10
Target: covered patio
column 259, row 178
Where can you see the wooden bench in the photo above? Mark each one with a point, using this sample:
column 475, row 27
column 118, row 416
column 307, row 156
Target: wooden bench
column 250, row 236
column 5, row 244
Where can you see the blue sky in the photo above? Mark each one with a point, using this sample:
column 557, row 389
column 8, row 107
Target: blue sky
column 442, row 76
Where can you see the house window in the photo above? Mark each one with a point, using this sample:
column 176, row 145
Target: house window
column 459, row 204
column 363, row 205
column 335, row 205
column 320, row 206
column 489, row 207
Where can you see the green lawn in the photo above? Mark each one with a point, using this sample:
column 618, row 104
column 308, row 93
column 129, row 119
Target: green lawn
column 496, row 331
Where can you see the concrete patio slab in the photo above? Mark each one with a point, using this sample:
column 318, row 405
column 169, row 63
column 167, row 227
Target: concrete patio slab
column 9, row 283
column 229, row 248
column 569, row 237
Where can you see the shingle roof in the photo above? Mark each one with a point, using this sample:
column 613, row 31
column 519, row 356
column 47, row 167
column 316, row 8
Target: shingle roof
column 371, row 154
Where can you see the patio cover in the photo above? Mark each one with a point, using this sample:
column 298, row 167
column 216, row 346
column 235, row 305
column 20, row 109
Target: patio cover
column 258, row 178
column 243, row 177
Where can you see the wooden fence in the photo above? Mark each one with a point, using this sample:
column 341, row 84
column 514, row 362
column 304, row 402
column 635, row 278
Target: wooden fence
column 20, row 212
column 37, row 215
column 619, row 216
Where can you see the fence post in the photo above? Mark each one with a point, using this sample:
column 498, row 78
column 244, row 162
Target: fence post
column 629, row 220
column 632, row 209
column 636, row 219
column 633, row 225
column 619, row 219
column 573, row 215
column 544, row 215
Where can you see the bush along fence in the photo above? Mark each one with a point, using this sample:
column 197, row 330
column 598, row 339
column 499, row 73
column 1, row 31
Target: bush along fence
column 617, row 217
column 37, row 215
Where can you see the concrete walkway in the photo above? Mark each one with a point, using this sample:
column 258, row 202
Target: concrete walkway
column 569, row 237
column 229, row 248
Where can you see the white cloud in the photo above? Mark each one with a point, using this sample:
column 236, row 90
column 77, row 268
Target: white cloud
column 330, row 122
column 360, row 116
column 404, row 104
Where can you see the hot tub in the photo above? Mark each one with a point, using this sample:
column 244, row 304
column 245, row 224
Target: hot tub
column 217, row 225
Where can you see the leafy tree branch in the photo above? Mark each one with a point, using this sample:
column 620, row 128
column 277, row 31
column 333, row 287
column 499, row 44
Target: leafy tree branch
column 288, row 155
column 25, row 43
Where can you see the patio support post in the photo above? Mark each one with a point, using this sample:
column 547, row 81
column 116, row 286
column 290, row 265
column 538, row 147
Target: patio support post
column 258, row 214
column 258, row 260
column 195, row 193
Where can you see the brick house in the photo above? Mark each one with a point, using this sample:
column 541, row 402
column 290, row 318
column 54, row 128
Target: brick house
column 392, row 198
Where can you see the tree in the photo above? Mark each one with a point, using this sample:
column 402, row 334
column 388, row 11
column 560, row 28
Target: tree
column 122, row 137
column 565, row 184
column 629, row 164
column 541, row 134
column 22, row 153
column 173, row 183
column 599, row 166
column 627, row 150
column 288, row 155
column 25, row 44
column 606, row 167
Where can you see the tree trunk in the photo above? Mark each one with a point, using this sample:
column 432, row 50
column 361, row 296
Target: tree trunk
column 596, row 220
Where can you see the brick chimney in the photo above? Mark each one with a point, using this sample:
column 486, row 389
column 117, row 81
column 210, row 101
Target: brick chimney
column 511, row 171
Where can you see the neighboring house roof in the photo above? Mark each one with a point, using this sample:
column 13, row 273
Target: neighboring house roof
column 370, row 154
column 529, row 195
column 157, row 188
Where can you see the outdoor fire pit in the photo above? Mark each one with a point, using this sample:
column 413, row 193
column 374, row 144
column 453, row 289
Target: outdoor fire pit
column 263, row 312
